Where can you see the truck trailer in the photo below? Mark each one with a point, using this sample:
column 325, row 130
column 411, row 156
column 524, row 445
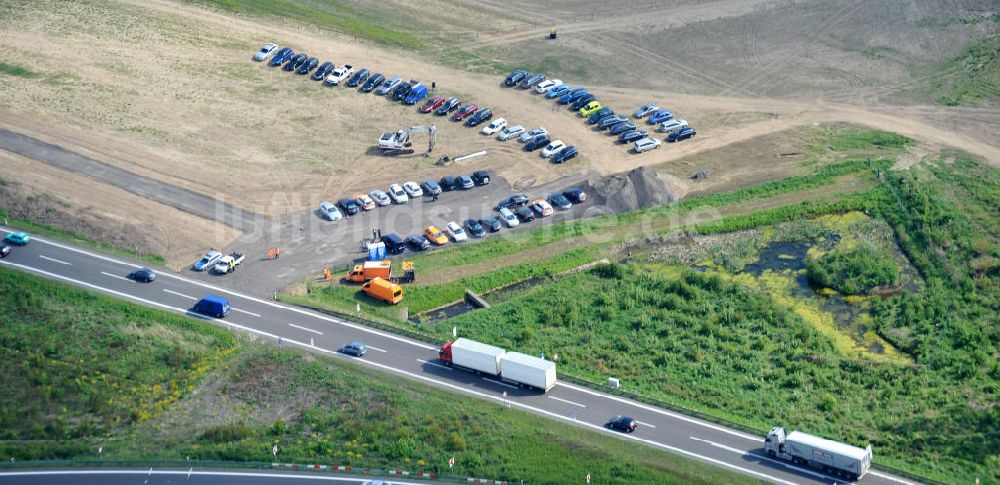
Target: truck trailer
column 523, row 370
column 833, row 457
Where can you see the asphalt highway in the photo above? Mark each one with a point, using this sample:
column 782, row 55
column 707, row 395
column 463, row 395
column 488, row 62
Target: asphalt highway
column 292, row 326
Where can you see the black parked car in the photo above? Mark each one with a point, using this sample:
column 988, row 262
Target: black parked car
column 539, row 141
column 418, row 242
column 281, row 56
column 430, row 187
column 394, row 244
column 492, row 224
column 481, row 177
column 622, row 423
column 682, row 134
column 449, row 183
column 402, row 91
column 349, row 206
column 143, row 275
column 575, row 195
column 631, row 136
column 296, row 62
column 323, row 70
column 611, row 121
column 601, row 113
column 564, row 154
column 620, row 128
column 580, row 103
column 373, row 82
column 480, row 116
column 475, row 228
column 514, row 201
column 358, row 78
column 449, row 105
column 307, row 66
column 515, row 77
column 560, row 201
column 525, row 214
column 465, row 182
column 531, row 80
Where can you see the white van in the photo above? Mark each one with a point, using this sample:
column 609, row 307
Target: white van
column 509, row 218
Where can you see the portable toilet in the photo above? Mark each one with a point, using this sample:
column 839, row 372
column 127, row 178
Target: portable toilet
column 376, row 251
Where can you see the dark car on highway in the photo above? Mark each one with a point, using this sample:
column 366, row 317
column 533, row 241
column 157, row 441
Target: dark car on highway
column 525, row 214
column 539, row 141
column 373, row 82
column 620, row 128
column 631, row 136
column 575, row 195
column 307, row 66
column 143, row 275
column 349, row 205
column 480, row 116
column 281, row 56
column 560, row 201
column 323, row 70
column 481, row 177
column 4, row 249
column 565, row 154
column 514, row 201
column 418, row 242
column 622, row 423
column 491, row 224
column 449, row 183
column 358, row 78
column 682, row 134
column 448, row 106
column 475, row 228
column 430, row 187
column 465, row 112
column 296, row 62
column 601, row 113
column 355, row 348
column 515, row 77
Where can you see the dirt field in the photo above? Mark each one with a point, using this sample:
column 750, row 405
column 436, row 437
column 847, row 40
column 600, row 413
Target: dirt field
column 168, row 91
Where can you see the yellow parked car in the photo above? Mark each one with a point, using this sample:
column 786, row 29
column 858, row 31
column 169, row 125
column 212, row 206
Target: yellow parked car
column 590, row 108
column 436, row 236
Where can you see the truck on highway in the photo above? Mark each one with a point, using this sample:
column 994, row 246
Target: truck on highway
column 370, row 270
column 514, row 367
column 833, row 457
column 229, row 262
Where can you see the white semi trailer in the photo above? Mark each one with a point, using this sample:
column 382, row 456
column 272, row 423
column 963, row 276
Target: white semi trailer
column 521, row 369
column 833, row 457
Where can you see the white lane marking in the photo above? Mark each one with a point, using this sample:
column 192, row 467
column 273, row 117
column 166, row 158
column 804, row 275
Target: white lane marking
column 766, row 458
column 660, row 411
column 189, row 473
column 54, row 260
column 57, row 473
column 567, row 401
column 889, row 477
column 116, row 276
column 435, row 364
column 252, row 314
column 646, row 424
column 412, row 375
column 376, row 349
column 499, row 382
column 317, row 332
column 172, row 292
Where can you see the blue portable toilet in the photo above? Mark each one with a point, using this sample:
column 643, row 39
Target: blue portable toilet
column 376, row 251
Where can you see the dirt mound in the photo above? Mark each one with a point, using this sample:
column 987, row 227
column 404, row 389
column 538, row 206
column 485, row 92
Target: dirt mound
column 636, row 189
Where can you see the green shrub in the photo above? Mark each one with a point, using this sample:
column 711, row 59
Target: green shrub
column 854, row 271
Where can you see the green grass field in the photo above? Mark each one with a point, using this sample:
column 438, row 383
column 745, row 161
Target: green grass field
column 81, row 370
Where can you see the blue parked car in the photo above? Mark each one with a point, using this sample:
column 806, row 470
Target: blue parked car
column 582, row 101
column 601, row 113
column 631, row 136
column 281, row 56
column 573, row 95
column 416, row 94
column 660, row 116
column 564, row 154
column 558, row 91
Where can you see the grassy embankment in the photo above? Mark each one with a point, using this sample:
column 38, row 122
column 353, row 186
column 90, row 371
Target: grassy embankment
column 81, row 370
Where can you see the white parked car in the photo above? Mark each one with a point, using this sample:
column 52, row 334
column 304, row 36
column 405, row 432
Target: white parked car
column 338, row 75
column 674, row 124
column 647, row 144
column 413, row 190
column 555, row 147
column 544, row 86
column 645, row 110
column 330, row 211
column 456, row 232
column 381, row 198
column 265, row 52
column 497, row 125
column 397, row 194
column 531, row 134
column 510, row 132
column 508, row 217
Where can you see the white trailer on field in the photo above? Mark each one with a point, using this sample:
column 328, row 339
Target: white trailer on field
column 833, row 457
column 523, row 370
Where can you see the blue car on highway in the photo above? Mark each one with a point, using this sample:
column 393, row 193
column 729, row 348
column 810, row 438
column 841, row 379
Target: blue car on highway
column 18, row 238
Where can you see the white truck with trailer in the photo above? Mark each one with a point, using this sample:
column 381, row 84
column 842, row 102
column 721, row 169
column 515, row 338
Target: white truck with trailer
column 517, row 368
column 833, row 457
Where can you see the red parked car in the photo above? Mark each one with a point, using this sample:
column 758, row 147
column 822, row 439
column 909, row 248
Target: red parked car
column 432, row 104
column 465, row 111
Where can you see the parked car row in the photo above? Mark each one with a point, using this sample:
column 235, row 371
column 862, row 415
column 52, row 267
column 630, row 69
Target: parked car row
column 603, row 117
column 400, row 194
column 519, row 208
